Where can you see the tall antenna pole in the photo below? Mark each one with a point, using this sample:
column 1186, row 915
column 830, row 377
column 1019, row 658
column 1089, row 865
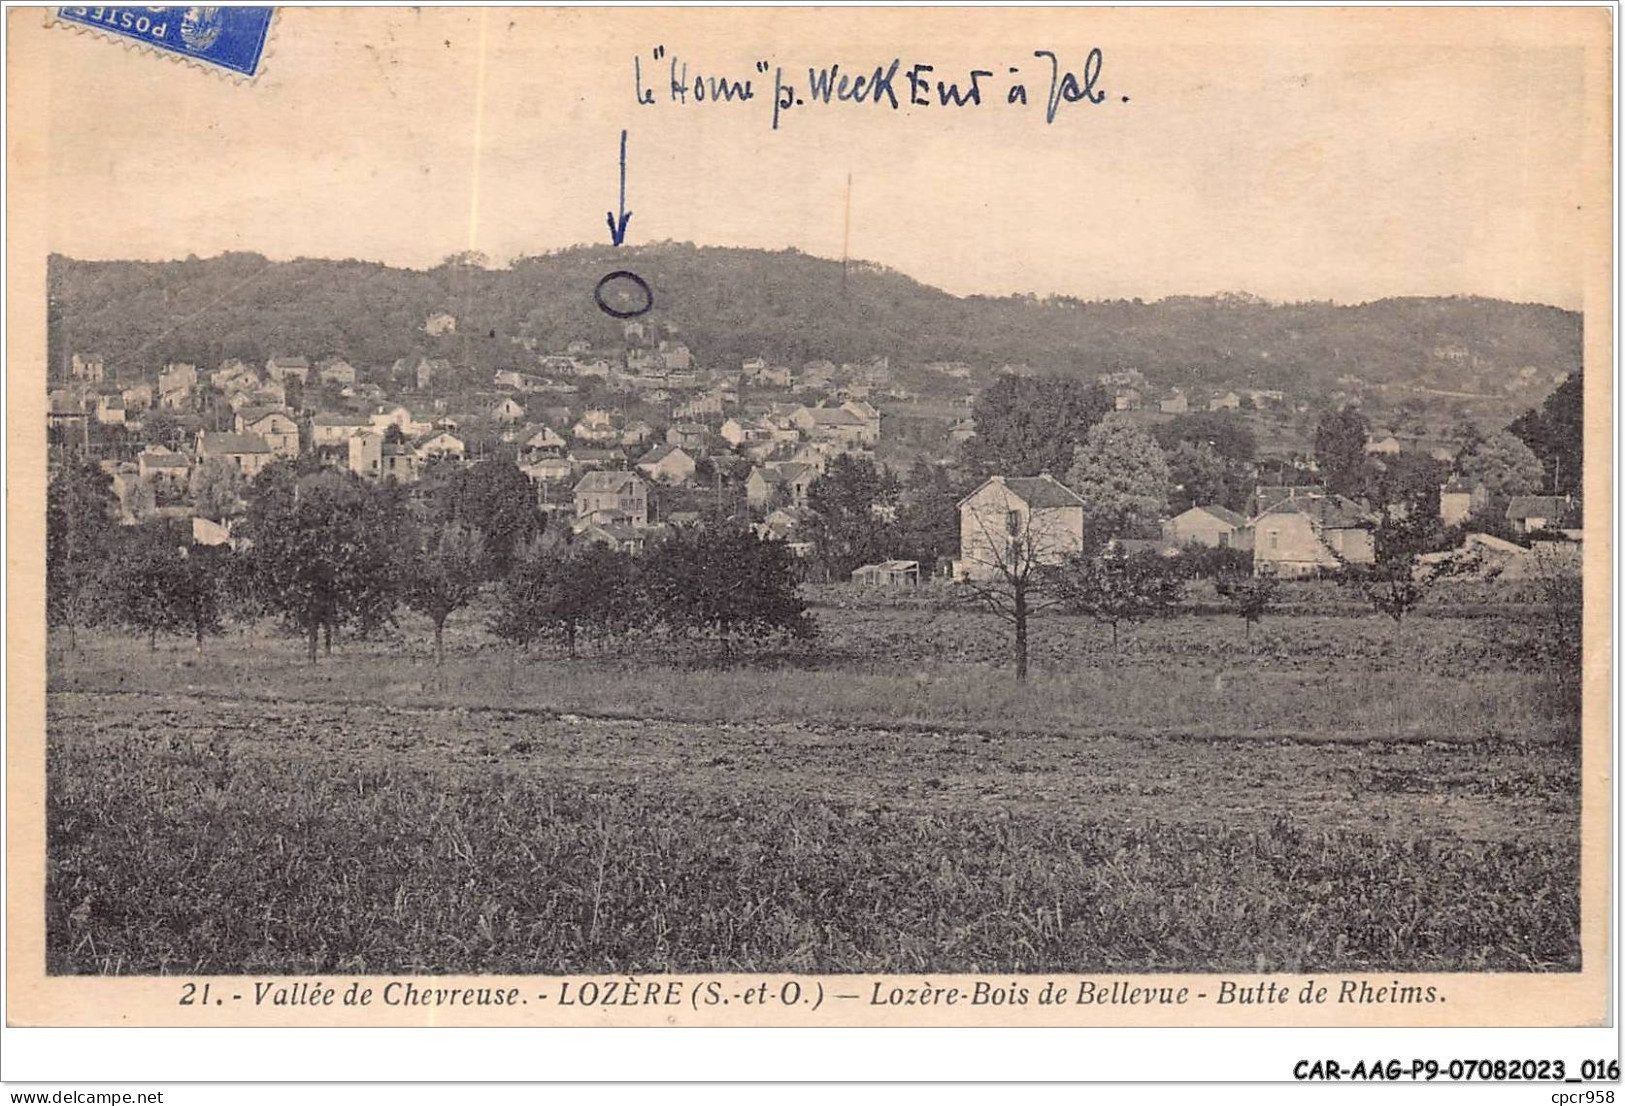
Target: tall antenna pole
column 846, row 233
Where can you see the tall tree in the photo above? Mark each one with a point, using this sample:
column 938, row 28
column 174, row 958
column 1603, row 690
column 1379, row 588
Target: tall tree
column 1221, row 431
column 1556, row 434
column 1113, row 587
column 493, row 497
column 80, row 510
column 1398, row 579
column 1026, row 425
column 150, row 574
column 324, row 553
column 1198, row 476
column 201, row 589
column 928, row 514
column 1407, row 485
column 440, row 573
column 1121, row 474
column 855, row 504
column 1502, row 463
column 521, row 595
column 217, row 487
column 165, row 583
column 1340, row 440
column 723, row 584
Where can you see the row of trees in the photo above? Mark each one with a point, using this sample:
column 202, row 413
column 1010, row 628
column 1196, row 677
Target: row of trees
column 1116, row 587
column 725, row 586
column 327, row 551
column 1503, row 462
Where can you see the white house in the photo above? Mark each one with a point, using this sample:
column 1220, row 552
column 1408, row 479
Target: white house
column 283, row 369
column 596, row 426
column 667, row 464
column 395, row 414
column 367, row 454
column 177, row 376
column 1304, row 535
column 1207, row 524
column 442, row 444
column 329, row 428
column 543, row 439
column 1013, row 523
column 278, row 429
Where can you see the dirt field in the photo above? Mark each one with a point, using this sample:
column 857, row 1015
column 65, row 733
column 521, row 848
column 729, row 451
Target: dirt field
column 1338, row 801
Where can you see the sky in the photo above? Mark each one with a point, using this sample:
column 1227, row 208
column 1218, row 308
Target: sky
column 1291, row 153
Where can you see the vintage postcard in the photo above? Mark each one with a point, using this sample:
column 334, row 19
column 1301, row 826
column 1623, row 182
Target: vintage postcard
column 795, row 517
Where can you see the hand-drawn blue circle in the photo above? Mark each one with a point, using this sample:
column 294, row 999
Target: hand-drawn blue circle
column 622, row 274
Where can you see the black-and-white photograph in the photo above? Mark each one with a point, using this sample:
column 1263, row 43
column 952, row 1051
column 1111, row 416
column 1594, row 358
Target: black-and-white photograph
column 971, row 504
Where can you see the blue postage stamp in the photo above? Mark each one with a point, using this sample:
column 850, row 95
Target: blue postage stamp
column 230, row 38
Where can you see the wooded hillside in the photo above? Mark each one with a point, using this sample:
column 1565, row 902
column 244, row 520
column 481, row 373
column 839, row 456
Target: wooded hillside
column 731, row 304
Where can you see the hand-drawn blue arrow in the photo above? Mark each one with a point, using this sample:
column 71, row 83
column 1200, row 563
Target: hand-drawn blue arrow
column 617, row 228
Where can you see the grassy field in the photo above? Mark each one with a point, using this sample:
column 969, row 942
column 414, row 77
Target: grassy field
column 1322, row 797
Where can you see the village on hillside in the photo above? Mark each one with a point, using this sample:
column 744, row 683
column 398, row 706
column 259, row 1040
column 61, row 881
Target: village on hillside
column 622, row 444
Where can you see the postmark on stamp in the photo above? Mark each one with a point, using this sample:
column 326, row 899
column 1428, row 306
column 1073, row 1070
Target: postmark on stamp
column 232, row 39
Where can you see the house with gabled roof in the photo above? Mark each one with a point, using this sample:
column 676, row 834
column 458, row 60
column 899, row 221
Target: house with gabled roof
column 137, row 397
column 836, row 424
column 667, row 464
column 271, row 393
column 439, row 445
column 337, row 372
column 585, row 459
column 1013, row 523
column 334, row 427
column 1528, row 513
column 1307, row 535
column 365, row 454
column 595, row 426
column 1383, row 444
column 887, row 574
column 1266, row 496
column 420, row 372
column 690, row 435
column 89, row 370
column 637, row 432
column 742, row 429
column 539, row 439
column 1209, row 524
column 399, row 462
column 178, row 376
column 621, row 537
column 234, row 374
column 110, row 409
column 507, row 410
column 548, row 469
column 284, row 369
column 248, row 453
column 788, row 482
column 609, row 497
column 395, row 414
column 274, row 424
column 167, row 471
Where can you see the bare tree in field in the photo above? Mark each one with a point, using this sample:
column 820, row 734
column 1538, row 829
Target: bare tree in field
column 1013, row 530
